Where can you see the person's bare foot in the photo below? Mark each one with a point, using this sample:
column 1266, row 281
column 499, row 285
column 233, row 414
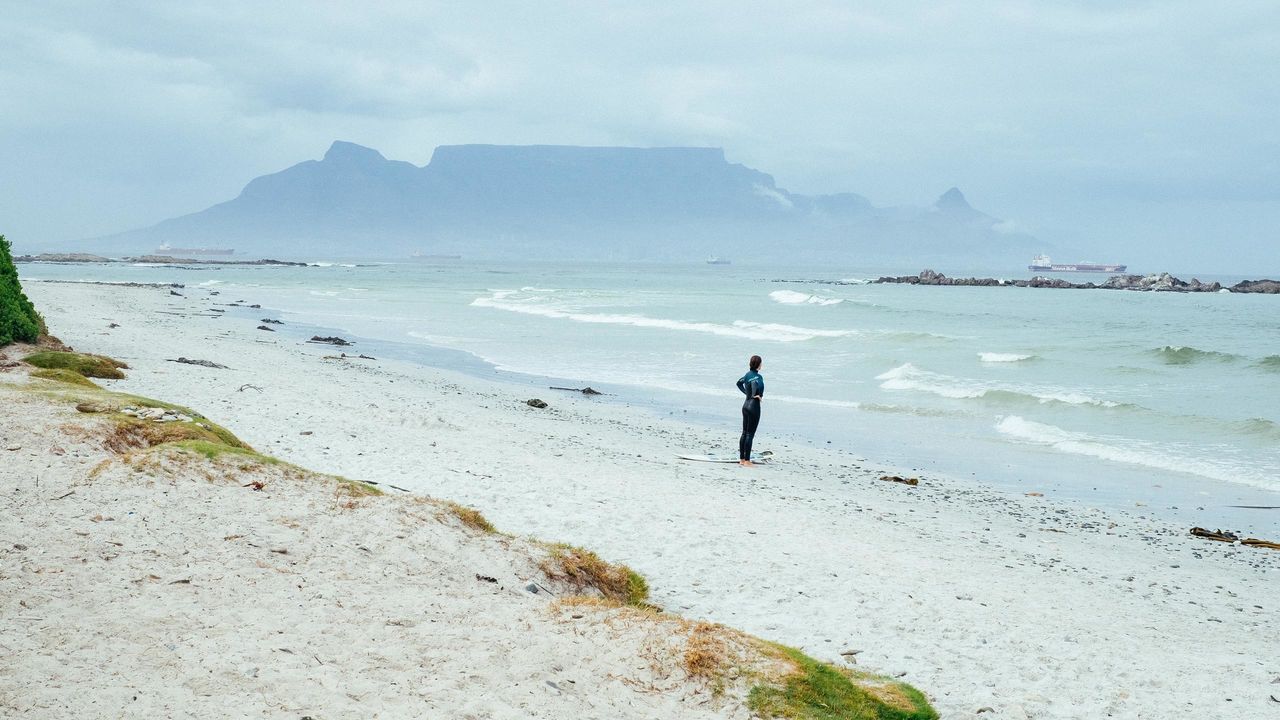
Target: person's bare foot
column 746, row 463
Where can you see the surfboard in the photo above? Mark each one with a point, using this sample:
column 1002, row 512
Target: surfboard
column 760, row 458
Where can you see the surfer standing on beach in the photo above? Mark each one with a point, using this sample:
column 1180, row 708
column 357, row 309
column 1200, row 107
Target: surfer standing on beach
column 751, row 385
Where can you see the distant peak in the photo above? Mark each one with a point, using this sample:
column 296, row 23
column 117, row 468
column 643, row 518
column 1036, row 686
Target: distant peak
column 952, row 199
column 352, row 154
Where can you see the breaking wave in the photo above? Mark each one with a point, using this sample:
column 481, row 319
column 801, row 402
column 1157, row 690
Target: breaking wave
column 1121, row 450
column 1270, row 363
column 910, row 377
column 499, row 300
column 791, row 297
column 1186, row 355
column 1259, row 427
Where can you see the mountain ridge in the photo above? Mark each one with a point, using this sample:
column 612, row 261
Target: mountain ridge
column 563, row 201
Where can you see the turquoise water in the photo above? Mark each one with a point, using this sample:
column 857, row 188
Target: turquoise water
column 1160, row 403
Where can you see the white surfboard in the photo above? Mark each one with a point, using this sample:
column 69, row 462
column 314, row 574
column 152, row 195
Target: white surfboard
column 762, row 457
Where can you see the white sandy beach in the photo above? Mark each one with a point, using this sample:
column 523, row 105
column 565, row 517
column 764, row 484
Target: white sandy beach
column 994, row 605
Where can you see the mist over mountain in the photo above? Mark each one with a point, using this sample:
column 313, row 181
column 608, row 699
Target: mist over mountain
column 555, row 202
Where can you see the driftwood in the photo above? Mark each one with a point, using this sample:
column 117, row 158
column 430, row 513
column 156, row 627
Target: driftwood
column 201, row 363
column 1230, row 537
column 585, row 391
column 242, row 388
column 905, row 481
column 264, row 327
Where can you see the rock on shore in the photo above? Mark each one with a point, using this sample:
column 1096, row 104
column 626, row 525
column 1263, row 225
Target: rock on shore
column 1155, row 282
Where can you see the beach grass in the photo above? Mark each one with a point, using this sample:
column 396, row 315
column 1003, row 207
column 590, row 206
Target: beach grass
column 354, row 488
column 470, row 517
column 583, row 569
column 65, row 376
column 815, row 690
column 212, row 450
column 129, row 433
column 94, row 366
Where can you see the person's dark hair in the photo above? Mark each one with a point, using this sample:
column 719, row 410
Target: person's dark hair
column 755, row 362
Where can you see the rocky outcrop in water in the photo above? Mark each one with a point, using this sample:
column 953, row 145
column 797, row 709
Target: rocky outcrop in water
column 1156, row 282
column 170, row 260
column 62, row 258
column 1269, row 287
column 150, row 259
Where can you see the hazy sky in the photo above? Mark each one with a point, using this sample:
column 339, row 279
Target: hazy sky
column 1147, row 132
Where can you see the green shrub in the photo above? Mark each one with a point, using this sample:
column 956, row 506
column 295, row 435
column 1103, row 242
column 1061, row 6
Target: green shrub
column 98, row 366
column 19, row 321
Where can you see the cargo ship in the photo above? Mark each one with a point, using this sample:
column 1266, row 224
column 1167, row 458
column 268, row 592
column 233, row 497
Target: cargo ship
column 167, row 249
column 1042, row 263
column 714, row 260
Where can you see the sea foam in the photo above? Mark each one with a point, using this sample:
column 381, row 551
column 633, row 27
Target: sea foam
column 502, row 300
column 791, row 297
column 995, row 357
column 1121, row 450
column 910, row 377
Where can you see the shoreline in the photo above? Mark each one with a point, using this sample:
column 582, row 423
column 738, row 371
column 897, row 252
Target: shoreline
column 1180, row 500
column 816, row 552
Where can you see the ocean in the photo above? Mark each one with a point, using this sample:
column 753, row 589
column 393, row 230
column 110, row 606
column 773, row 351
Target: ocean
column 1155, row 403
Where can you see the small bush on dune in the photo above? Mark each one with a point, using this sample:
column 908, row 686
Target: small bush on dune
column 94, row 366
column 19, row 321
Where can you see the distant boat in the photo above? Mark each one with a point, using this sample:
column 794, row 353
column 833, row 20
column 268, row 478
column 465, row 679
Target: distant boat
column 713, row 260
column 1042, row 263
column 428, row 257
column 167, row 249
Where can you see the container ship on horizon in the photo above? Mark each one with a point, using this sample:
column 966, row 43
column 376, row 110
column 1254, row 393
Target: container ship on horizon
column 1042, row 263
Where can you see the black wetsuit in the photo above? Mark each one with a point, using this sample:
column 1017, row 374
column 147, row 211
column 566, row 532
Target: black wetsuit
column 751, row 384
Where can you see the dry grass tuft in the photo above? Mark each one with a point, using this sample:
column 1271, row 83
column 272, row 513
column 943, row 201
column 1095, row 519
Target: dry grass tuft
column 583, row 569
column 889, row 693
column 98, row 469
column 470, row 517
column 706, row 654
column 355, row 489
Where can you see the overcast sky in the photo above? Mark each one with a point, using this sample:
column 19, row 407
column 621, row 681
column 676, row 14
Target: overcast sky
column 1147, row 132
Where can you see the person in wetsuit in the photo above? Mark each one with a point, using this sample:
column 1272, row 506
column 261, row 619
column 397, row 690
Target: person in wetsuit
column 751, row 385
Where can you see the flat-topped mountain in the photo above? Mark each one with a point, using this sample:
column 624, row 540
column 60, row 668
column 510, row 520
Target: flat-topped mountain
column 545, row 201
